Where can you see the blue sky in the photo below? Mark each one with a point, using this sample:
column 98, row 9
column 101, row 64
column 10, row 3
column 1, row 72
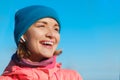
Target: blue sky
column 90, row 35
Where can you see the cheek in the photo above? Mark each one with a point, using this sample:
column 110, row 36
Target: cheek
column 32, row 42
column 34, row 35
column 58, row 37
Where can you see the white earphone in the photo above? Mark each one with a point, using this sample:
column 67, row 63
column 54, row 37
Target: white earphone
column 22, row 38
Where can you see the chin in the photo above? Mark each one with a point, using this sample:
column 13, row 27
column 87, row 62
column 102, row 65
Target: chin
column 49, row 56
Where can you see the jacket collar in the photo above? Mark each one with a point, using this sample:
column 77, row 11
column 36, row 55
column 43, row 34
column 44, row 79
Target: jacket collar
column 25, row 63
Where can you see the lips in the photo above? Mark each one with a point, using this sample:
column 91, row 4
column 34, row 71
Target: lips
column 47, row 44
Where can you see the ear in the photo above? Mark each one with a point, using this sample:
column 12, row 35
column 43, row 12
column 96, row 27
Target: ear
column 22, row 40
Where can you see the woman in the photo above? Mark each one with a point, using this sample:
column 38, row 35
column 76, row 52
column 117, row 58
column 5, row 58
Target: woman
column 37, row 34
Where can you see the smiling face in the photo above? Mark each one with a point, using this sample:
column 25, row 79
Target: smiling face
column 42, row 39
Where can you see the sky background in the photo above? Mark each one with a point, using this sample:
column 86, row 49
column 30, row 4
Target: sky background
column 90, row 35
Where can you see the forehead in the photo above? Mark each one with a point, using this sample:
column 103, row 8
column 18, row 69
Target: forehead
column 47, row 20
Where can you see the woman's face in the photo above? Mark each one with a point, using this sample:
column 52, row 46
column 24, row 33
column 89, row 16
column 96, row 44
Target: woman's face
column 42, row 38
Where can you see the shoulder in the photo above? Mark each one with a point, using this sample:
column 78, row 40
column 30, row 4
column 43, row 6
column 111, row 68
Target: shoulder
column 13, row 71
column 70, row 74
column 5, row 78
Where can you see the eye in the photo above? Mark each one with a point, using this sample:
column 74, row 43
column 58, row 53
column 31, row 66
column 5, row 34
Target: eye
column 40, row 25
column 57, row 29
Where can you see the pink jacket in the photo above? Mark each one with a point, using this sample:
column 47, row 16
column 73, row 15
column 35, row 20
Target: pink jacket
column 50, row 72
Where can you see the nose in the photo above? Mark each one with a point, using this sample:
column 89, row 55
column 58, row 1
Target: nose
column 50, row 34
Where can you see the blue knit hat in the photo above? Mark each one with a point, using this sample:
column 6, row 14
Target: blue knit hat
column 25, row 17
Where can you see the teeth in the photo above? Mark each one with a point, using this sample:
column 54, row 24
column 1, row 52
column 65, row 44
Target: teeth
column 48, row 43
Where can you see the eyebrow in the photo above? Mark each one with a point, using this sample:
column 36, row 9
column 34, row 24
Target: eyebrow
column 56, row 25
column 42, row 22
column 47, row 23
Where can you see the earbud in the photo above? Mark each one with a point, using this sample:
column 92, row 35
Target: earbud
column 22, row 38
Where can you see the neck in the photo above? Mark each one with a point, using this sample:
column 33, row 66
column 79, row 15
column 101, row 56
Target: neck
column 36, row 58
column 29, row 63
